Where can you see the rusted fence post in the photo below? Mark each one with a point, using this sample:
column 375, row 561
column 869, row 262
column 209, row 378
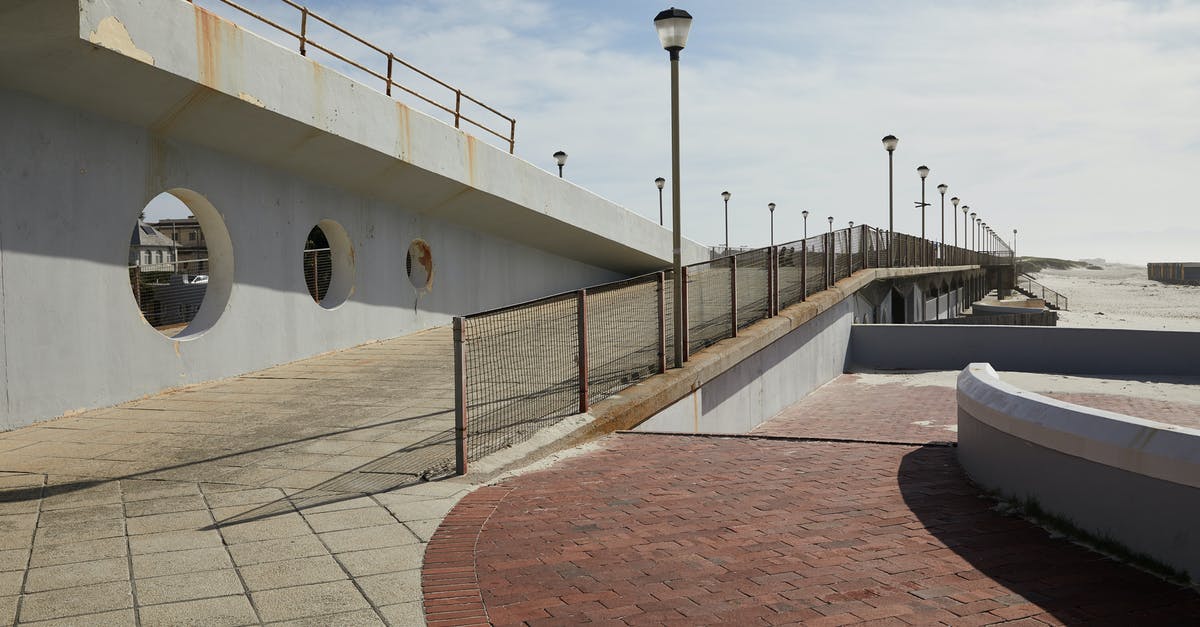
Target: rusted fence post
column 460, row 399
column 828, row 251
column 772, row 276
column 391, row 59
column 683, row 288
column 662, row 322
column 803, row 270
column 457, row 107
column 581, row 317
column 303, row 31
column 733, row 325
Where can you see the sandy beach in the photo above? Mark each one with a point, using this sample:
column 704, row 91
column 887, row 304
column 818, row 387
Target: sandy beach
column 1120, row 296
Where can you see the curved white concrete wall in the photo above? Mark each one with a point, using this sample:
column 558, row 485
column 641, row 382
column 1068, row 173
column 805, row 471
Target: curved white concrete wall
column 1132, row 480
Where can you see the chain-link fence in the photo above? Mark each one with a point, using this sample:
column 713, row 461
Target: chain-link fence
column 525, row 367
column 169, row 293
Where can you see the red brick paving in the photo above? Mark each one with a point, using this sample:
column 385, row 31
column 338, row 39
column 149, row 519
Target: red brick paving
column 657, row 529
column 1176, row 413
column 847, row 409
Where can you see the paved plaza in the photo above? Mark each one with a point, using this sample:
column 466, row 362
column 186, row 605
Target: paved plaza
column 663, row 529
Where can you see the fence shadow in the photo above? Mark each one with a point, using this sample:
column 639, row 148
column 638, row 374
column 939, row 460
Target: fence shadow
column 1072, row 583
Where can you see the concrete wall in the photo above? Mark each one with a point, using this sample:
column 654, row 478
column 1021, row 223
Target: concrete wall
column 768, row 381
column 1119, row 477
column 1027, row 349
column 104, row 104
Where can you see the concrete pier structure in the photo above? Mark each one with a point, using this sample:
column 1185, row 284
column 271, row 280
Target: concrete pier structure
column 104, row 105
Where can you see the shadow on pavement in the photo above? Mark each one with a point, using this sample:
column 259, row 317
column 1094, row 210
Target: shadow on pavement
column 1074, row 584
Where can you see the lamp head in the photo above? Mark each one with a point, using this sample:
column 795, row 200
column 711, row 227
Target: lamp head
column 954, row 201
column 942, row 188
column 560, row 157
column 889, row 143
column 673, row 26
column 771, row 207
column 923, row 171
column 830, row 218
column 726, row 196
column 965, row 207
column 804, row 213
column 659, row 182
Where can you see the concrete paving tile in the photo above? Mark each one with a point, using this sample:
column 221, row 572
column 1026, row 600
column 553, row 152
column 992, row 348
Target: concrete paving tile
column 75, row 532
column 230, row 610
column 307, row 601
column 12, row 523
column 419, row 510
column 14, row 559
column 174, row 541
column 111, row 511
column 347, row 619
column 317, row 502
column 244, row 513
column 409, row 613
column 326, row 447
column 368, row 538
column 71, row 450
column 292, row 460
column 165, row 505
column 293, row 572
column 77, row 574
column 302, row 479
column 276, row 550
column 349, row 518
column 74, row 494
column 24, row 506
column 10, row 582
column 254, row 476
column 168, row 522
column 91, row 599
column 281, row 526
column 382, row 560
column 242, row 496
column 188, row 586
column 392, row 588
column 118, row 617
column 85, row 551
column 8, row 610
column 439, row 488
column 19, row 480
column 343, row 463
column 179, row 562
column 423, row 529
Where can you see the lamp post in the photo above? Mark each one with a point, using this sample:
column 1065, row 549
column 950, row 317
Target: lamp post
column 561, row 158
column 725, row 196
column 889, row 144
column 660, row 182
column 954, row 201
column 1014, row 246
column 973, row 220
column 771, row 208
column 966, row 238
column 805, row 214
column 672, row 26
column 852, row 224
column 830, row 218
column 923, row 172
column 942, row 190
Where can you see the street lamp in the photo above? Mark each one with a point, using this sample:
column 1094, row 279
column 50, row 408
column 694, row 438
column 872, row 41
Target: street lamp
column 771, row 208
column 1014, row 246
column 966, row 238
column 942, row 190
column 830, row 218
column 852, row 224
column 659, row 182
column 954, row 201
column 923, row 171
column 726, row 196
column 973, row 221
column 561, row 158
column 673, row 26
column 889, row 144
column 805, row 214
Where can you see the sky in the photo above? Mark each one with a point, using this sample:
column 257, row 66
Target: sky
column 1076, row 123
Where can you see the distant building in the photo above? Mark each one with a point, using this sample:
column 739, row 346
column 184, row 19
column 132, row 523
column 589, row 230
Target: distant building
column 150, row 250
column 189, row 238
column 1174, row 272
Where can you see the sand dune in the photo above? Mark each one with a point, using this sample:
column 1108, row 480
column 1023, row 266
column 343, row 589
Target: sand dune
column 1120, row 296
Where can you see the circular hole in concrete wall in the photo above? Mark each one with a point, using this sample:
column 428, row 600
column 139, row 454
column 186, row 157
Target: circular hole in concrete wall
column 180, row 263
column 328, row 264
column 419, row 265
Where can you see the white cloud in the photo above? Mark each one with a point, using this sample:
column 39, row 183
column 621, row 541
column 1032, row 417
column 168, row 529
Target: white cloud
column 1072, row 121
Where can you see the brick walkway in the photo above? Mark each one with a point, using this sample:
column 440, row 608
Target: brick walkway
column 889, row 412
column 1175, row 413
column 659, row 529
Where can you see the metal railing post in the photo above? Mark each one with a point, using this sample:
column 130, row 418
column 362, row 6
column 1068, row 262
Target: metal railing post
column 733, row 327
column 391, row 59
column 662, row 322
column 772, row 275
column 828, row 251
column 460, row 399
column 303, row 31
column 457, row 106
column 581, row 317
column 683, row 288
column 803, row 270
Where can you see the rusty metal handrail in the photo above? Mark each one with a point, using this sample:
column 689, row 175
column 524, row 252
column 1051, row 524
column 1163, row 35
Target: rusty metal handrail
column 306, row 42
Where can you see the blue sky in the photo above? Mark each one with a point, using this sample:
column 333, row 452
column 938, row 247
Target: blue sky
column 1074, row 122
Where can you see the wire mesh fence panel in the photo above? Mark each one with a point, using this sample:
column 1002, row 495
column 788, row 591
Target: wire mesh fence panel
column 856, row 250
column 521, row 371
column 169, row 293
column 814, row 252
column 841, row 254
column 791, row 269
column 753, row 286
column 622, row 333
column 709, row 314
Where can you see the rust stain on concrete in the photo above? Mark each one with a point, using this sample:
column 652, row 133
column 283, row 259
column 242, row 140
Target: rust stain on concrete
column 208, row 33
column 404, row 147
column 251, row 99
column 112, row 34
column 471, row 160
column 419, row 250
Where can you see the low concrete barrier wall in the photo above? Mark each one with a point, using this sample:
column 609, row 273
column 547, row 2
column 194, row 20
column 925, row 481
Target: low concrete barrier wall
column 1055, row 350
column 1134, row 481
